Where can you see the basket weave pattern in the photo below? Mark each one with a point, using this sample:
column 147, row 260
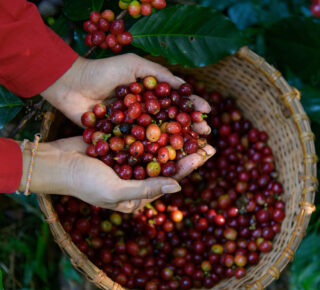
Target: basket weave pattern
column 266, row 98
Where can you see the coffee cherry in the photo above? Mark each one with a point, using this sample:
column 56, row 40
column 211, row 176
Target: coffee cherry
column 108, row 15
column 152, row 106
column 153, row 133
column 136, row 148
column 240, row 273
column 117, row 26
column 124, row 38
column 117, row 117
column 97, row 37
column 191, row 146
column 185, row 90
column 111, row 40
column 172, row 152
column 163, row 155
column 176, row 141
column 184, row 119
column 186, row 105
column 117, row 48
column 134, row 8
column 99, row 110
column 102, row 148
column 315, row 9
column 173, row 128
column 278, row 215
column 144, row 120
column 103, row 24
column 162, row 89
column 87, row 135
column 138, row 132
column 153, row 169
column 88, row 39
column 135, row 110
column 88, row 119
column 90, row 26
column 173, row 112
column 139, row 173
column 123, row 5
column 116, row 144
column 146, row 9
column 149, row 82
column 159, row 4
column 95, row 16
column 197, row 117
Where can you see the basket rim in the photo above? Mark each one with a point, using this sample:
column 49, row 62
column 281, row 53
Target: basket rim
column 290, row 98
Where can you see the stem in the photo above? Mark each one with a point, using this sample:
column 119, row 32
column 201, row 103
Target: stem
column 121, row 15
column 35, row 108
column 91, row 50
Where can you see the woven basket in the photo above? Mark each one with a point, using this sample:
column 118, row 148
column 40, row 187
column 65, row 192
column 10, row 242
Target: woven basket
column 267, row 99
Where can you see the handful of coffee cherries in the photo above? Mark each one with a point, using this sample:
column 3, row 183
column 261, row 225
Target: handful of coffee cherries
column 145, row 131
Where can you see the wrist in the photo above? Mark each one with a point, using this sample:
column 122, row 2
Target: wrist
column 47, row 175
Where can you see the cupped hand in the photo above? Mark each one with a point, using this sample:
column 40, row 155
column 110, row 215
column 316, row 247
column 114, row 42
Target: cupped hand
column 89, row 82
column 62, row 167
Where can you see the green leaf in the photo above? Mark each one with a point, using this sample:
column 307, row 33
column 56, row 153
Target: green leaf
column 80, row 9
column 10, row 106
column 217, row 4
column 295, row 43
column 248, row 13
column 190, row 35
column 1, row 284
column 244, row 14
column 60, row 26
column 97, row 5
column 305, row 268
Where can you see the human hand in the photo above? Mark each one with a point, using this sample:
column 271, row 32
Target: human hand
column 89, row 82
column 62, row 167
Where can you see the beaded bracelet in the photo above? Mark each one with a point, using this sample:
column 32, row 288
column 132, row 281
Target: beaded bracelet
column 22, row 146
column 34, row 150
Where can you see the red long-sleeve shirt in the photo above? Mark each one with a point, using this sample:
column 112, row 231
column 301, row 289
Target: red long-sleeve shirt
column 32, row 57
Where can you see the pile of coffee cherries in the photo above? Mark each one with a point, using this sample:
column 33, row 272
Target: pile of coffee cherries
column 225, row 217
column 98, row 27
column 145, row 131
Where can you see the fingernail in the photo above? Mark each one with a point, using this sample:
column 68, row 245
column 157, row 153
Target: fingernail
column 180, row 79
column 210, row 151
column 170, row 188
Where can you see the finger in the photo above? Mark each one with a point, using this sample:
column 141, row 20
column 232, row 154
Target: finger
column 200, row 104
column 146, row 68
column 201, row 128
column 128, row 206
column 72, row 144
column 191, row 162
column 148, row 188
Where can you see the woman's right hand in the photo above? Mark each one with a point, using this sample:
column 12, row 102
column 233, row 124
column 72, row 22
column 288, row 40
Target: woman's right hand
column 62, row 167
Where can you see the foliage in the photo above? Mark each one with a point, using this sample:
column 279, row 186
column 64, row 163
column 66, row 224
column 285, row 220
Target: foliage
column 201, row 36
column 10, row 105
column 305, row 268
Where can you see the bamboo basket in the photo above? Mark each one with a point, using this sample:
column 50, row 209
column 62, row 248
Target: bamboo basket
column 273, row 105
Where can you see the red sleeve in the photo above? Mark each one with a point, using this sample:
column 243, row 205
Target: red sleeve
column 32, row 56
column 10, row 165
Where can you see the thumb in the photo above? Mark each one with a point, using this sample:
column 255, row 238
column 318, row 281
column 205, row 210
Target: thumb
column 148, row 188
